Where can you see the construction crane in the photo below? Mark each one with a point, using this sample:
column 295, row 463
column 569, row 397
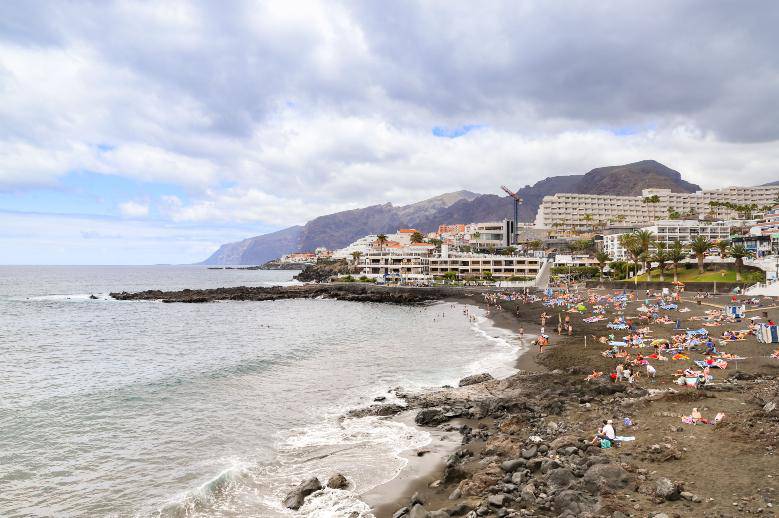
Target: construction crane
column 517, row 202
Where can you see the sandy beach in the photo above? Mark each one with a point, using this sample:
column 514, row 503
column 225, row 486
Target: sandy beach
column 723, row 470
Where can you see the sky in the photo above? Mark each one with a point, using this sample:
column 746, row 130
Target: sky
column 153, row 132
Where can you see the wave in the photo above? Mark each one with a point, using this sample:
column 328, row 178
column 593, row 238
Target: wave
column 501, row 362
column 202, row 498
column 70, row 296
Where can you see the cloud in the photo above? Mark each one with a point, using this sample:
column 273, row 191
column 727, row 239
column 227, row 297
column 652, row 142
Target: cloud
column 277, row 112
column 34, row 238
column 134, row 209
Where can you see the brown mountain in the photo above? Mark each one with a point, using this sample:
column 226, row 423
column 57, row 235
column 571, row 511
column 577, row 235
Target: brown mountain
column 339, row 229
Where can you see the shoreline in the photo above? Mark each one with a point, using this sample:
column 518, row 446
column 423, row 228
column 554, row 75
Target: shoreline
column 421, row 472
column 527, row 451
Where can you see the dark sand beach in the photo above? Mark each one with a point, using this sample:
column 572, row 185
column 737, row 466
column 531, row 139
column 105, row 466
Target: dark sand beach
column 674, row 468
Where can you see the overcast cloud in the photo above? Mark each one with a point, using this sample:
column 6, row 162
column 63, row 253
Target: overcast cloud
column 269, row 113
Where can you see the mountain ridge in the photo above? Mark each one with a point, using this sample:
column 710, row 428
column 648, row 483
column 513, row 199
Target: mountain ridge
column 341, row 228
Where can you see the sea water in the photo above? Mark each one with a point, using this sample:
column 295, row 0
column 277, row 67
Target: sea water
column 139, row 408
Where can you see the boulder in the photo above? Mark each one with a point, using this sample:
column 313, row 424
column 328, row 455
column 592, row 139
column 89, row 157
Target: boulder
column 606, row 476
column 476, row 378
column 418, row 512
column 377, row 410
column 337, row 481
column 563, row 441
column 518, row 477
column 568, row 501
column 560, row 478
column 529, row 453
column 403, row 511
column 511, row 466
column 498, row 500
column 666, row 489
column 529, row 493
column 430, row 417
column 295, row 498
column 438, row 514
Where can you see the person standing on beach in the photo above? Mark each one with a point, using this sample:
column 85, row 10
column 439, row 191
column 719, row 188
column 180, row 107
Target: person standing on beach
column 521, row 333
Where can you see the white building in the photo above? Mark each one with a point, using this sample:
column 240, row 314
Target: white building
column 668, row 231
column 470, row 265
column 397, row 261
column 587, row 211
column 362, row 245
column 575, row 260
column 495, row 234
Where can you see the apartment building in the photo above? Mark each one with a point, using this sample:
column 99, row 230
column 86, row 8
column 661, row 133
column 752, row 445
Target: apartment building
column 497, row 234
column 668, row 231
column 587, row 211
column 403, row 262
column 502, row 267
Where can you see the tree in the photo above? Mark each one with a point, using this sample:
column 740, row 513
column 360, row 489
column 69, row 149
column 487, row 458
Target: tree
column 450, row 276
column 739, row 252
column 724, row 247
column 356, row 257
column 673, row 214
column 536, row 244
column 602, row 258
column 509, row 250
column 660, row 256
column 632, row 246
column 436, row 243
column 487, row 274
column 646, row 239
column 417, row 237
column 699, row 246
column 581, row 245
column 676, row 254
column 381, row 239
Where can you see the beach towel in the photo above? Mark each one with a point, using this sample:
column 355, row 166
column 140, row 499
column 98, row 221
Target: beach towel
column 719, row 364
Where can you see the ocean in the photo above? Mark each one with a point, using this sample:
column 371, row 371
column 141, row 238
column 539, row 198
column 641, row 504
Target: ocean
column 137, row 408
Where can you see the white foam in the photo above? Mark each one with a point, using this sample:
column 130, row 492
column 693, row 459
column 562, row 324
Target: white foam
column 71, row 296
column 330, row 503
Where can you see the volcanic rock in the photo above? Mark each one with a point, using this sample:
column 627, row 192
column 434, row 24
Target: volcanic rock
column 295, row 498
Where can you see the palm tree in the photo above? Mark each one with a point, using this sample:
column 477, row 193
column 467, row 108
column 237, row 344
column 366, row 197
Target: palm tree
column 381, row 239
column 676, row 254
column 417, row 237
column 356, row 257
column 700, row 245
column 724, row 247
column 602, row 258
column 632, row 246
column 739, row 252
column 660, row 256
column 646, row 239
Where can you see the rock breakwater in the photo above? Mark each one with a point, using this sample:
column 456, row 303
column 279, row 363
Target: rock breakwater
column 356, row 292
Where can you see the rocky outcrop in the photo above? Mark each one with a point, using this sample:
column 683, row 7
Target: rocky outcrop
column 346, row 291
column 476, row 378
column 323, row 270
column 297, row 496
column 337, row 481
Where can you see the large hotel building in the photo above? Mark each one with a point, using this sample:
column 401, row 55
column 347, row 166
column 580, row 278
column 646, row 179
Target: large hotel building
column 585, row 211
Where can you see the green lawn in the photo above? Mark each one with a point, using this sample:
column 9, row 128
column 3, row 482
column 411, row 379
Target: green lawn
column 692, row 275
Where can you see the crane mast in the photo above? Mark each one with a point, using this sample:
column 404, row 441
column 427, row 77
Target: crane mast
column 517, row 202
